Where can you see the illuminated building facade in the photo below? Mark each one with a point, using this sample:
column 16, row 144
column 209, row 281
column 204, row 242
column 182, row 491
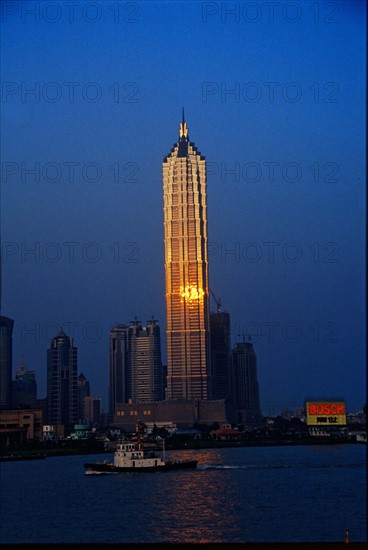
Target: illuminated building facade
column 186, row 270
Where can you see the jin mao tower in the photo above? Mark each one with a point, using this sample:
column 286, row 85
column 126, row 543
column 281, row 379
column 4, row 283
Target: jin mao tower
column 186, row 270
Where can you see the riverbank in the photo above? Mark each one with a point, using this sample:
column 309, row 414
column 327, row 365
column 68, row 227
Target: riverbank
column 39, row 454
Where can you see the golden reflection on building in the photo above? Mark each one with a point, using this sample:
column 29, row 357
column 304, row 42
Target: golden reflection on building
column 186, row 270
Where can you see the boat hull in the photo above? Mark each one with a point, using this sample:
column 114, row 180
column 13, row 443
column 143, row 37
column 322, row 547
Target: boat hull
column 103, row 467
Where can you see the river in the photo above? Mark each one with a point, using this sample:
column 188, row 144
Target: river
column 249, row 494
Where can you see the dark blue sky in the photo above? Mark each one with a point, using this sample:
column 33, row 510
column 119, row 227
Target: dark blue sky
column 274, row 97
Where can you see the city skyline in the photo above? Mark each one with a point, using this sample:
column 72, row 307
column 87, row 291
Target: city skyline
column 283, row 134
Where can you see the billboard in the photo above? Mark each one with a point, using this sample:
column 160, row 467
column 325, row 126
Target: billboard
column 326, row 413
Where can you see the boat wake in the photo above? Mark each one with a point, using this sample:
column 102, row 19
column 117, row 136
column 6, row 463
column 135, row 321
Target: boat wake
column 241, row 466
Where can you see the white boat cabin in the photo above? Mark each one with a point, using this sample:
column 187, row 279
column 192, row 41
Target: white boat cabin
column 131, row 455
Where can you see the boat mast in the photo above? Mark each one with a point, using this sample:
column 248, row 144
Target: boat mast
column 138, row 430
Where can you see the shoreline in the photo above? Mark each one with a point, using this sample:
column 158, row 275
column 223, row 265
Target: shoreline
column 23, row 454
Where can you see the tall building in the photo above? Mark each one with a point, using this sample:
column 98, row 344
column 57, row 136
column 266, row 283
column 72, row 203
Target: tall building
column 83, row 391
column 186, row 270
column 145, row 362
column 6, row 361
column 220, row 354
column 24, row 388
column 62, row 386
column 120, row 379
column 92, row 409
column 245, row 389
column 135, row 364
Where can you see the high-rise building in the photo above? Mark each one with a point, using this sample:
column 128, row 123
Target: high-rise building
column 24, row 388
column 92, row 409
column 62, row 386
column 135, row 364
column 245, row 388
column 186, row 270
column 220, row 354
column 6, row 361
column 145, row 362
column 83, row 391
column 120, row 379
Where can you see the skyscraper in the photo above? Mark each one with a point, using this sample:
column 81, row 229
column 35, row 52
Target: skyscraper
column 220, row 354
column 62, row 387
column 245, row 388
column 135, row 364
column 6, row 361
column 120, row 379
column 145, row 361
column 186, row 270
column 24, row 388
column 84, row 391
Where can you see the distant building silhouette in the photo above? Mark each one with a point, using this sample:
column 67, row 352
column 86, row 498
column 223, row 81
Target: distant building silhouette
column 245, row 389
column 186, row 270
column 120, row 379
column 220, row 355
column 24, row 388
column 62, row 387
column 6, row 361
column 92, row 409
column 83, row 391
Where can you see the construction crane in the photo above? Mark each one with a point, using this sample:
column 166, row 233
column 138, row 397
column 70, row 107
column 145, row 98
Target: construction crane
column 217, row 300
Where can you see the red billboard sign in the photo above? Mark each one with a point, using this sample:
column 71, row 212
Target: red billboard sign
column 322, row 413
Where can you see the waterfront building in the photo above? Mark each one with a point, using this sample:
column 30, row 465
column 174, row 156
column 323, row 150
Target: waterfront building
column 92, row 409
column 62, row 386
column 220, row 354
column 186, row 270
column 245, row 388
column 24, row 388
column 181, row 412
column 6, row 361
column 17, row 426
column 145, row 361
column 136, row 372
column 83, row 392
column 120, row 379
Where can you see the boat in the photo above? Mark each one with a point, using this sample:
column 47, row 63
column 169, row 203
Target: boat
column 130, row 456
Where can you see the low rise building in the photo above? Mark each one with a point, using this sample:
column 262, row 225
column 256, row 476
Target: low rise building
column 182, row 412
column 20, row 425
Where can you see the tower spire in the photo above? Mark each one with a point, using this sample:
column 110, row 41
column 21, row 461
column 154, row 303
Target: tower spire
column 183, row 129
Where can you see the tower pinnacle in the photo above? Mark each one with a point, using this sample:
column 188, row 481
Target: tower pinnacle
column 183, row 129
